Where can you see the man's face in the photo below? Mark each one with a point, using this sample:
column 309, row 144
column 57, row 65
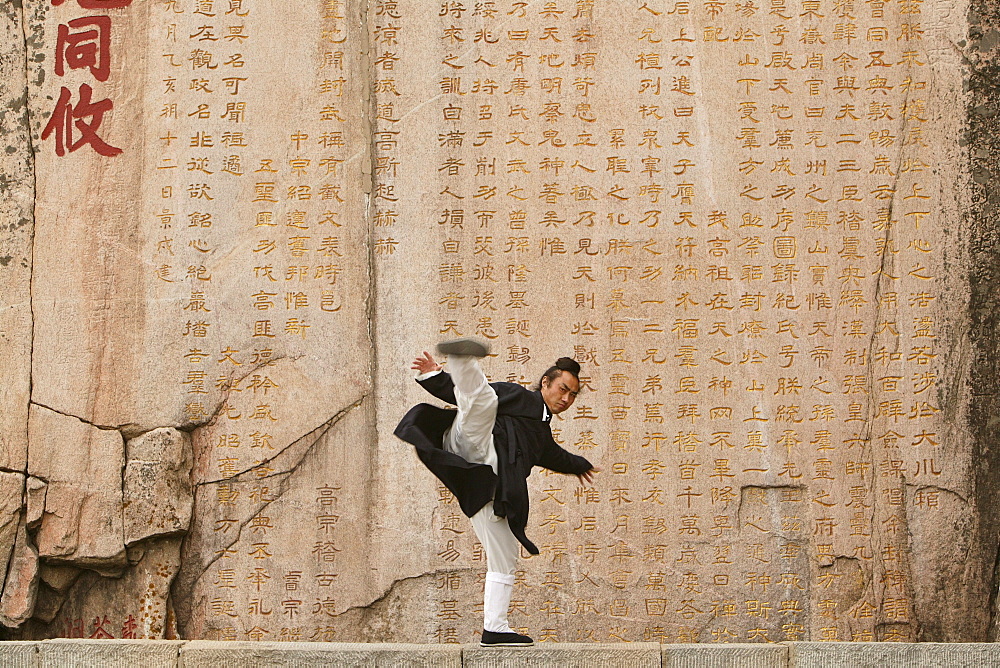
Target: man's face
column 560, row 393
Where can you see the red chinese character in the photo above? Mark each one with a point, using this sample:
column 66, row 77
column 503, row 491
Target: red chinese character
column 88, row 45
column 99, row 631
column 97, row 4
column 74, row 628
column 65, row 117
column 129, row 627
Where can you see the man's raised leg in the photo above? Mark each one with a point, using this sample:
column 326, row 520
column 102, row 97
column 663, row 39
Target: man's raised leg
column 471, row 434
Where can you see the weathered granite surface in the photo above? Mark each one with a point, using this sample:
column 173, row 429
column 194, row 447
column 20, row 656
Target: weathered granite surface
column 766, row 230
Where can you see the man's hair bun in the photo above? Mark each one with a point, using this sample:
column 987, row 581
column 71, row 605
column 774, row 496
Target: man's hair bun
column 562, row 364
column 568, row 364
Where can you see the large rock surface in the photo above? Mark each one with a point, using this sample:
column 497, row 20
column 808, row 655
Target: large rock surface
column 766, row 230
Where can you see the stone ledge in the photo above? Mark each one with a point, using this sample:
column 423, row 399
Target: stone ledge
column 564, row 655
column 725, row 656
column 17, row 654
column 880, row 655
column 72, row 653
column 214, row 654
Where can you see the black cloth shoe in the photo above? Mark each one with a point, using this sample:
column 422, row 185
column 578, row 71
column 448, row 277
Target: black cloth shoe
column 468, row 346
column 494, row 639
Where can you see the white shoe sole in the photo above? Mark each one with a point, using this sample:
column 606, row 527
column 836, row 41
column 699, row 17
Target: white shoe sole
column 469, row 346
column 507, row 644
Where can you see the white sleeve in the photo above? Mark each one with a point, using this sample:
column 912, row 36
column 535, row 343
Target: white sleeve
column 425, row 376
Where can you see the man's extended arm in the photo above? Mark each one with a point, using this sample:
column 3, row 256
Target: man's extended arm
column 556, row 459
column 433, row 379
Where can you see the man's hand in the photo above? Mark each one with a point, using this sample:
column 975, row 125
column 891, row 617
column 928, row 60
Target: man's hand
column 588, row 476
column 425, row 363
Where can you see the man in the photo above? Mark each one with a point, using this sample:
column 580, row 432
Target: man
column 483, row 453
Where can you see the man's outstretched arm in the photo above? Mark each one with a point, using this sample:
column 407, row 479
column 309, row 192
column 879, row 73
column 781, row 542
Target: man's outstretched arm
column 439, row 384
column 424, row 363
column 559, row 460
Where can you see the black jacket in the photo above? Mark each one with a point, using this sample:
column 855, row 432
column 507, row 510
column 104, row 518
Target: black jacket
column 522, row 440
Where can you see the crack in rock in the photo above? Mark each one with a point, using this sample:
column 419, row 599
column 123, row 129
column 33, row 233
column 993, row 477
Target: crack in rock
column 364, row 607
column 316, row 434
column 102, row 427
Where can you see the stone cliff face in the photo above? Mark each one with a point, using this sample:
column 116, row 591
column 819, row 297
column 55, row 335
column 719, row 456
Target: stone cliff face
column 984, row 153
column 767, row 233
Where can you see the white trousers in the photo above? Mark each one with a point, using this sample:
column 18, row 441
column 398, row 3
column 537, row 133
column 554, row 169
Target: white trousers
column 471, row 434
column 471, row 438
